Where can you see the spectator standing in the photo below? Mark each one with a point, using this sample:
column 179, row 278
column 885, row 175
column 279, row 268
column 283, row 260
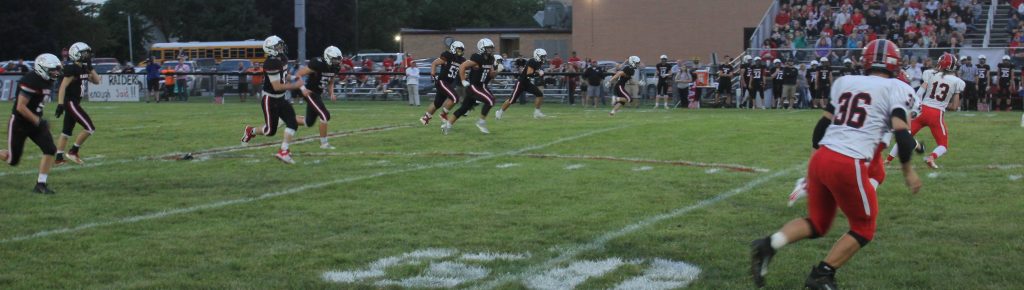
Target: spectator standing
column 127, row 68
column 571, row 80
column 556, row 62
column 594, row 75
column 789, row 81
column 256, row 73
column 152, row 80
column 969, row 73
column 683, row 80
column 388, row 65
column 574, row 59
column 181, row 83
column 243, row 82
column 412, row 82
column 169, row 78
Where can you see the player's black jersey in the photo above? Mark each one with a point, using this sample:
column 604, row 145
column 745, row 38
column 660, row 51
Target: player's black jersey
column 756, row 72
column 789, row 75
column 482, row 72
column 627, row 74
column 322, row 75
column 825, row 76
column 848, row 71
column 274, row 70
column 663, row 69
column 723, row 70
column 77, row 73
column 1005, row 71
column 36, row 88
column 746, row 71
column 531, row 63
column 812, row 73
column 776, row 74
column 983, row 72
column 450, row 69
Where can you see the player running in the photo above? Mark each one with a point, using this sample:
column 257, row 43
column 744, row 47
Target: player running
column 445, row 83
column 620, row 79
column 481, row 71
column 940, row 86
column 861, row 110
column 27, row 118
column 275, row 84
column 321, row 72
column 69, row 97
column 523, row 84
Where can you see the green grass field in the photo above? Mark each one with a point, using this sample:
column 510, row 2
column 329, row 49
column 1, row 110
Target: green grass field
column 579, row 200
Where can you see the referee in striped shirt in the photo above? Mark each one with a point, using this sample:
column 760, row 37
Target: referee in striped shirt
column 969, row 73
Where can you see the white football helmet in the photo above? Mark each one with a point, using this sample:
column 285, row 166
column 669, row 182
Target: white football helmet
column 80, row 52
column 47, row 66
column 981, row 56
column 332, row 55
column 540, row 54
column 274, row 46
column 756, row 59
column 747, row 58
column 483, row 44
column 847, row 60
column 663, row 57
column 1006, row 57
column 456, row 46
column 777, row 61
column 634, row 61
column 498, row 64
column 823, row 59
column 814, row 62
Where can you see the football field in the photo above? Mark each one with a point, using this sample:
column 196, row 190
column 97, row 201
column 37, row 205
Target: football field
column 651, row 199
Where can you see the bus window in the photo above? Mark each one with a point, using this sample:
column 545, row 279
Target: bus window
column 249, row 53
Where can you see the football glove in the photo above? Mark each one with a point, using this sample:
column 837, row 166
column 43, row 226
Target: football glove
column 60, row 110
column 465, row 83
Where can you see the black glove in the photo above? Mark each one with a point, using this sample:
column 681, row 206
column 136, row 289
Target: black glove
column 43, row 124
column 60, row 110
column 88, row 66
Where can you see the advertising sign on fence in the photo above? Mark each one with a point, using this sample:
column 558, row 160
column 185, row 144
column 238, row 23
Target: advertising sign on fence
column 117, row 88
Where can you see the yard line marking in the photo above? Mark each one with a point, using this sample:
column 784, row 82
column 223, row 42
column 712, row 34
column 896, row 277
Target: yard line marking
column 219, row 204
column 214, row 151
column 643, row 168
column 732, row 167
column 570, row 252
column 574, row 167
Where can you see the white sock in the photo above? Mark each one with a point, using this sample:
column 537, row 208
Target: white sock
column 323, row 140
column 536, row 111
column 42, row 178
column 444, row 109
column 939, row 151
column 778, row 240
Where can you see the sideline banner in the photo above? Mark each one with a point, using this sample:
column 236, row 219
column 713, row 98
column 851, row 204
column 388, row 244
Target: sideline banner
column 117, row 88
column 8, row 83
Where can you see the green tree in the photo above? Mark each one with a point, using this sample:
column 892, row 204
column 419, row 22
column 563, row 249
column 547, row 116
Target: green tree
column 30, row 28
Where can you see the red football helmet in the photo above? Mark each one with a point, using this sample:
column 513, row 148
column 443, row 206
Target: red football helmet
column 882, row 54
column 946, row 62
column 902, row 75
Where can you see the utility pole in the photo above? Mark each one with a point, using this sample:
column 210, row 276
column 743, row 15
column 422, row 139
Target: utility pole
column 300, row 24
column 131, row 49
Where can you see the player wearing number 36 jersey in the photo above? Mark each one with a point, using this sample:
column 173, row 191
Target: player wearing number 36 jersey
column 861, row 111
column 940, row 87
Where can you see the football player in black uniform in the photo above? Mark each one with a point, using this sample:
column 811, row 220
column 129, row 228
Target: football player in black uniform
column 275, row 84
column 481, row 71
column 27, row 118
column 321, row 72
column 744, row 82
column 848, row 68
column 984, row 75
column 531, row 69
column 69, row 97
column 618, row 84
column 812, row 74
column 823, row 83
column 725, row 75
column 664, row 71
column 757, row 73
column 1006, row 81
column 443, row 71
column 776, row 73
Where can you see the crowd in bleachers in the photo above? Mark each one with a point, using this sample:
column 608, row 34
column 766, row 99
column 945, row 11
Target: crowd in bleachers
column 838, row 28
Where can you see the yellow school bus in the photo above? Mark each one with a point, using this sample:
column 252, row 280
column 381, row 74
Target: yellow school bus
column 220, row 50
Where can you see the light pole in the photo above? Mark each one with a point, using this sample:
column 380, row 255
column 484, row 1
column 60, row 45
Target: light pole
column 131, row 50
column 398, row 39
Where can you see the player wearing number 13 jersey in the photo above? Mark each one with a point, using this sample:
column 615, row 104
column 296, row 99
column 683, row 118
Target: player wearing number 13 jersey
column 863, row 108
column 940, row 86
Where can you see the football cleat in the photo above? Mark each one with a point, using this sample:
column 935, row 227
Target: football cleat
column 931, row 162
column 425, row 120
column 285, row 156
column 761, row 253
column 247, row 135
column 820, row 279
column 799, row 191
column 538, row 115
column 59, row 162
column 498, row 113
column 920, row 147
column 446, row 127
column 326, row 146
column 41, row 188
column 482, row 125
column 73, row 157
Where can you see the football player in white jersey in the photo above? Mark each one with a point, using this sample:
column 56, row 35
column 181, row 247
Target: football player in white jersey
column 862, row 109
column 940, row 87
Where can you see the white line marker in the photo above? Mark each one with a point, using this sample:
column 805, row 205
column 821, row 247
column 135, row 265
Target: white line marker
column 1016, row 177
column 569, row 252
column 573, row 275
column 574, row 166
column 663, row 274
column 220, row 204
column 643, row 168
column 507, row 165
column 933, row 175
column 487, row 257
column 712, row 170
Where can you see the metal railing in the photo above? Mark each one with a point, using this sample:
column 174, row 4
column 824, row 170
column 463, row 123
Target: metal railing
column 990, row 22
column 764, row 28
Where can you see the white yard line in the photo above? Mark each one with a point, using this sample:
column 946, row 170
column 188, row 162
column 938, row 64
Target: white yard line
column 213, row 151
column 567, row 253
column 220, row 204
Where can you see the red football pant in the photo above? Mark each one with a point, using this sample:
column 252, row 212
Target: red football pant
column 835, row 181
column 933, row 119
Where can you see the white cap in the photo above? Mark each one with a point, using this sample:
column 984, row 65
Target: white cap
column 847, row 60
column 777, row 61
column 982, row 56
column 1006, row 57
column 824, row 59
column 814, row 62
